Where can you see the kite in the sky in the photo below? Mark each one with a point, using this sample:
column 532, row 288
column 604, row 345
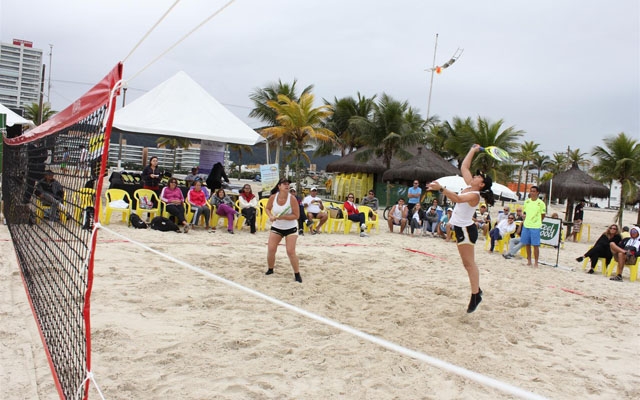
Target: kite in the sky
column 438, row 69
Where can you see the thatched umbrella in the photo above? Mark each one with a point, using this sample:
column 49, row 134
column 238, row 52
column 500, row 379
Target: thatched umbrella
column 375, row 165
column 573, row 185
column 425, row 166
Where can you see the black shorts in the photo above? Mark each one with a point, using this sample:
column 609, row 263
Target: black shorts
column 285, row 232
column 467, row 234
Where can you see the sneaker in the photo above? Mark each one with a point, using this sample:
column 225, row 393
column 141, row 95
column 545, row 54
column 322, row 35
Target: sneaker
column 617, row 278
column 363, row 226
column 507, row 256
column 230, row 231
column 309, row 223
column 186, row 228
column 591, row 271
column 363, row 234
column 580, row 259
column 301, row 232
column 211, row 230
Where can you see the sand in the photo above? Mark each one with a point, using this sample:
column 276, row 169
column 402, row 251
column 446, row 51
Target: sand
column 162, row 330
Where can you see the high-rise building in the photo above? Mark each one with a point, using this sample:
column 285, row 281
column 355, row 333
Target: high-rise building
column 20, row 73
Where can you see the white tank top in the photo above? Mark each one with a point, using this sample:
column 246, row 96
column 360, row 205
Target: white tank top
column 284, row 209
column 463, row 213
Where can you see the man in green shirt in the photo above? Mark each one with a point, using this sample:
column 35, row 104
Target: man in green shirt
column 534, row 211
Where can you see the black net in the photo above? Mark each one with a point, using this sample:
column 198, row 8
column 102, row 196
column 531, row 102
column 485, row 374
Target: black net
column 49, row 191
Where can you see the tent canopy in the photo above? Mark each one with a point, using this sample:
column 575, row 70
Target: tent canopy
column 15, row 119
column 180, row 107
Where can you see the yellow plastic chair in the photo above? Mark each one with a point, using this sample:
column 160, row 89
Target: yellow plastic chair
column 81, row 200
column 188, row 214
column 368, row 221
column 114, row 195
column 241, row 219
column 151, row 195
column 602, row 262
column 335, row 224
column 633, row 269
column 215, row 218
column 261, row 223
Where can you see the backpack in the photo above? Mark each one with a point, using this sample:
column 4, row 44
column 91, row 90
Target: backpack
column 137, row 222
column 164, row 225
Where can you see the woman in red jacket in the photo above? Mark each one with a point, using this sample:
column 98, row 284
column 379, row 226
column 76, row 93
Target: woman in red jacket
column 354, row 215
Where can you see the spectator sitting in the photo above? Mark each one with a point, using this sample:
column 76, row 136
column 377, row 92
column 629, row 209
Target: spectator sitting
column 626, row 251
column 602, row 247
column 224, row 207
column 483, row 220
column 197, row 198
column 418, row 217
column 398, row 215
column 190, row 178
column 371, row 201
column 444, row 227
column 432, row 218
column 315, row 208
column 248, row 206
column 625, row 232
column 354, row 215
column 51, row 193
column 503, row 227
column 503, row 214
column 172, row 196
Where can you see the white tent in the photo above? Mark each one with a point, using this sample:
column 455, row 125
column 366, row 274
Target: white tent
column 13, row 118
column 180, row 107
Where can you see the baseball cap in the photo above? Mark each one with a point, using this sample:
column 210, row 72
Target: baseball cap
column 314, row 188
column 449, row 209
column 483, row 205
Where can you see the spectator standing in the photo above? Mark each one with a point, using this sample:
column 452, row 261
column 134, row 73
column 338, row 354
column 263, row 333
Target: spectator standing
column 534, row 210
column 151, row 175
column 578, row 216
column 413, row 194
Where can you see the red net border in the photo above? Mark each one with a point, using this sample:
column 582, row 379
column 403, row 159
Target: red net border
column 103, row 93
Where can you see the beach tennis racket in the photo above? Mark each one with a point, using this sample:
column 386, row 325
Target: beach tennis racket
column 497, row 153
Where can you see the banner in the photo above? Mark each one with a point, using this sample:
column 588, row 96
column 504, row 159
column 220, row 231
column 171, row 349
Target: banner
column 269, row 176
column 550, row 231
column 210, row 153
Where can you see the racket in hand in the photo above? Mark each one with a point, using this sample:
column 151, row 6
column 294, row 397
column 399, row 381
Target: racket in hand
column 497, row 153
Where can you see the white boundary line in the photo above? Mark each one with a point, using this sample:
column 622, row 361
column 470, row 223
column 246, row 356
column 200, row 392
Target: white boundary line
column 454, row 369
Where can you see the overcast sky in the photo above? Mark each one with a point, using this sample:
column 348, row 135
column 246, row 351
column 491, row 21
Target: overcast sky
column 565, row 72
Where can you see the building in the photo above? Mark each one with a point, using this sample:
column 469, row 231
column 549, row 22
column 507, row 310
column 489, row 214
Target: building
column 20, row 73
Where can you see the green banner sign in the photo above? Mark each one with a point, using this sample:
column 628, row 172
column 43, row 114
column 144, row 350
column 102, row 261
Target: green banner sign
column 550, row 231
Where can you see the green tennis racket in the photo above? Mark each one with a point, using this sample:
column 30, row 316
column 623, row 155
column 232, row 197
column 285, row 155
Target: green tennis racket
column 497, row 153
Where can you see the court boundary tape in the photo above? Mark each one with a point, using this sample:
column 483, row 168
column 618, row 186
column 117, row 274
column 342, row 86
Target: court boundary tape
column 435, row 362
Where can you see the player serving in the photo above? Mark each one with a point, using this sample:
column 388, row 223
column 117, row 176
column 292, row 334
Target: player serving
column 462, row 219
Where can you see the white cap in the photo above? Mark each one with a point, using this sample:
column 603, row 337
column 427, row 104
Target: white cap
column 314, row 188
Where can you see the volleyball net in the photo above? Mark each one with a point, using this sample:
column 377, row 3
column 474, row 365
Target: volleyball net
column 51, row 183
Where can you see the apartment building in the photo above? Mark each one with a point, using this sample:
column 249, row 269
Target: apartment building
column 20, row 73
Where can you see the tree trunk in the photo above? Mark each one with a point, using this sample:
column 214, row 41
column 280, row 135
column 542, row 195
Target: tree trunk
column 621, row 208
column 520, row 177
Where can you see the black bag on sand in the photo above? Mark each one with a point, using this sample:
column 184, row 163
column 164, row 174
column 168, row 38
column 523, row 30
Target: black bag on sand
column 164, row 225
column 136, row 222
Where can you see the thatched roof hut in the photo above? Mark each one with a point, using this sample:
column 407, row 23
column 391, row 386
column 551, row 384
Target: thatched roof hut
column 573, row 185
column 425, row 166
column 349, row 165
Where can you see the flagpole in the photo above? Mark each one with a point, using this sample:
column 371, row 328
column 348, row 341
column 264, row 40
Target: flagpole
column 433, row 69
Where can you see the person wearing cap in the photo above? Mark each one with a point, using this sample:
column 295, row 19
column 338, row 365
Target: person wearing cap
column 534, row 210
column 190, row 178
column 51, row 193
column 283, row 214
column 462, row 219
column 315, row 208
column 626, row 251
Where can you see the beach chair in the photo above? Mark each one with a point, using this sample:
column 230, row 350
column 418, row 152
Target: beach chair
column 112, row 196
column 139, row 194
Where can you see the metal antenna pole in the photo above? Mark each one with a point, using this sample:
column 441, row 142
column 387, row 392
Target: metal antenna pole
column 433, row 69
column 49, row 85
column 124, row 98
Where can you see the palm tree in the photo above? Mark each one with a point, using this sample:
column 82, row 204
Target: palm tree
column 32, row 112
column 266, row 114
column 526, row 154
column 173, row 143
column 394, row 126
column 299, row 124
column 344, row 124
column 576, row 157
column 540, row 162
column 485, row 133
column 619, row 160
column 559, row 163
column 239, row 148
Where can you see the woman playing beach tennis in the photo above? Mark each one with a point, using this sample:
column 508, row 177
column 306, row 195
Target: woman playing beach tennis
column 465, row 229
column 283, row 211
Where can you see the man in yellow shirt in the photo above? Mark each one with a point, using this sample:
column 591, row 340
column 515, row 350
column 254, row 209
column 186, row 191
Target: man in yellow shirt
column 534, row 211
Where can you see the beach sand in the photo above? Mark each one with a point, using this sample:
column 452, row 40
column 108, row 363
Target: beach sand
column 161, row 330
